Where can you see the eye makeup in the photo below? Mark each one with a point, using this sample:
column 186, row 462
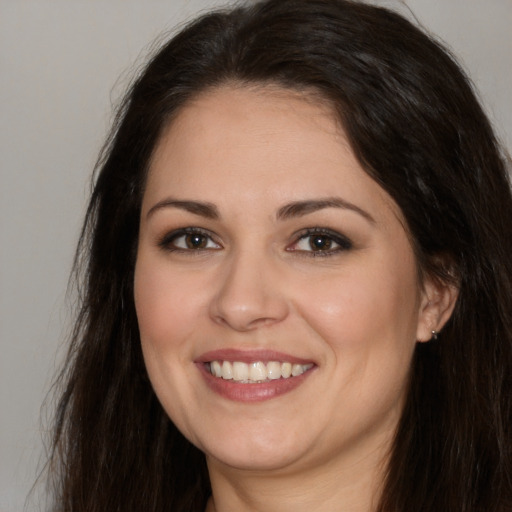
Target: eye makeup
column 320, row 242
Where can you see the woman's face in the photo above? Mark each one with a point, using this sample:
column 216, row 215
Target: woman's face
column 276, row 289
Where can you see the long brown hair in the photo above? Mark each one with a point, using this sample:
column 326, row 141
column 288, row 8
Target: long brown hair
column 414, row 124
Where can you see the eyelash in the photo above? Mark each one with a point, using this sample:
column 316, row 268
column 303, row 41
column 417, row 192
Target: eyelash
column 167, row 240
column 342, row 242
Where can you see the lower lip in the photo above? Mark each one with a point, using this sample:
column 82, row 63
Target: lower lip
column 257, row 392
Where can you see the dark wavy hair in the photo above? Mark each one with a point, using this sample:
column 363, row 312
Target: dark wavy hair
column 417, row 129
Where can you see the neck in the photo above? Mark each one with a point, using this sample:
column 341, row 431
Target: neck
column 355, row 487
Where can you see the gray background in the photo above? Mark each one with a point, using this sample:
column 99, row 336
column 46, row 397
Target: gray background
column 63, row 64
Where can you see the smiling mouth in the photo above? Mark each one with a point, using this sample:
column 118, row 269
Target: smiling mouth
column 256, row 372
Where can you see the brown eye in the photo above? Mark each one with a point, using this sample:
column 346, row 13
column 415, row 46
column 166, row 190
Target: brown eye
column 317, row 243
column 320, row 243
column 189, row 239
column 195, row 241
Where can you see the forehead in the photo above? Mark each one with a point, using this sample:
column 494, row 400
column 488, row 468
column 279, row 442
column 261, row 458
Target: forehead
column 249, row 114
column 258, row 139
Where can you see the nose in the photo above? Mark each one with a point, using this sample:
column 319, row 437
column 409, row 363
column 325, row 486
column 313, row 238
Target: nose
column 249, row 294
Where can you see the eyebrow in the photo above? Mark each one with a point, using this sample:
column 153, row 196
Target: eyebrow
column 288, row 211
column 208, row 210
column 301, row 208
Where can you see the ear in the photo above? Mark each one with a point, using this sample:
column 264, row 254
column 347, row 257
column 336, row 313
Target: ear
column 436, row 306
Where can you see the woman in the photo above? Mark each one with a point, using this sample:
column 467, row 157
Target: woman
column 298, row 290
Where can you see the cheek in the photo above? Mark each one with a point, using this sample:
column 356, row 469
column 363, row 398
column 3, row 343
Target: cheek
column 166, row 313
column 166, row 305
column 361, row 310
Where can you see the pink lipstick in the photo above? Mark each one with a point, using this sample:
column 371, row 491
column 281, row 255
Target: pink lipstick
column 254, row 375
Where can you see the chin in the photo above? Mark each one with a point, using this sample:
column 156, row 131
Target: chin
column 253, row 461
column 271, row 451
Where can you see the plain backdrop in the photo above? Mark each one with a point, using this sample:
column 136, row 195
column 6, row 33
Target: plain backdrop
column 63, row 65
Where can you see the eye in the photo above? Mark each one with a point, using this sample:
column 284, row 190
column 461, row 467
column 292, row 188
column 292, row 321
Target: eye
column 189, row 239
column 321, row 242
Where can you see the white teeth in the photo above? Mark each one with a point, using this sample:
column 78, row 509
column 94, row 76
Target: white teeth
column 257, row 371
column 273, row 370
column 297, row 369
column 240, row 371
column 286, row 370
column 227, row 371
column 216, row 369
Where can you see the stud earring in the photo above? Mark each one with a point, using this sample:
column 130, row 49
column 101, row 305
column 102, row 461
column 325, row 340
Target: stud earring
column 435, row 335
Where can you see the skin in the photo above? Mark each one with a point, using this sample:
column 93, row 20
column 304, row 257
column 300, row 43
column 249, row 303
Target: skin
column 356, row 309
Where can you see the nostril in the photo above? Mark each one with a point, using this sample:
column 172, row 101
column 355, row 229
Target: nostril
column 245, row 317
column 246, row 300
column 243, row 322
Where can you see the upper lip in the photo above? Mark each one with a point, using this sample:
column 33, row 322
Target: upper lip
column 249, row 356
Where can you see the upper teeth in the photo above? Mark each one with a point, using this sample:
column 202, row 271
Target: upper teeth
column 257, row 371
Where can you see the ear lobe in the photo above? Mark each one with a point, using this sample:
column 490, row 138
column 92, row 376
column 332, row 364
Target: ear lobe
column 437, row 303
